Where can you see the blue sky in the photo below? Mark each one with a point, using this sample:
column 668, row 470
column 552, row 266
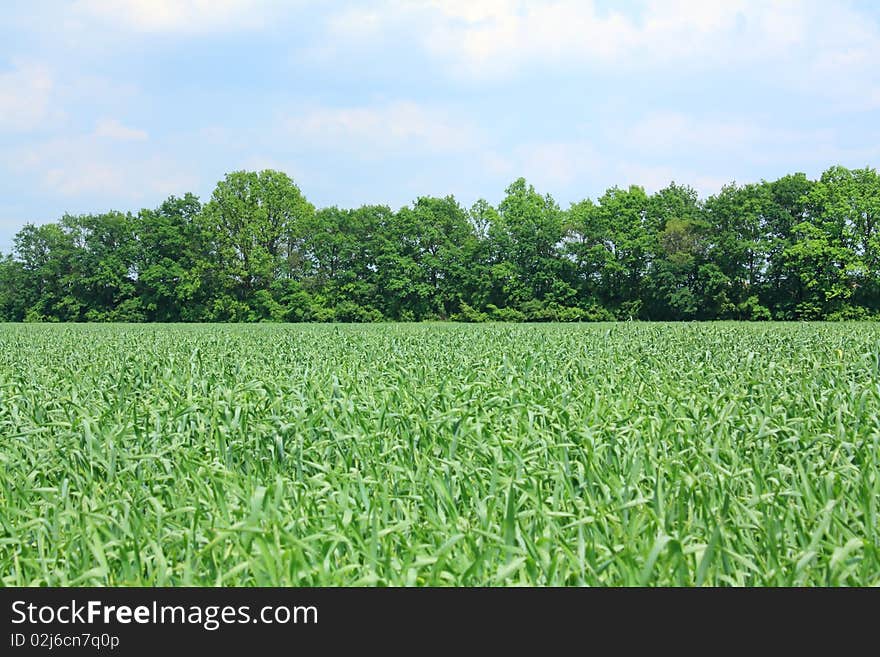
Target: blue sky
column 116, row 104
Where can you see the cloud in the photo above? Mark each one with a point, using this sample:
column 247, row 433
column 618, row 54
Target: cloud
column 499, row 37
column 551, row 165
column 656, row 177
column 177, row 15
column 373, row 131
column 702, row 139
column 675, row 132
column 91, row 165
column 356, row 23
column 26, row 98
column 113, row 129
column 787, row 40
column 578, row 168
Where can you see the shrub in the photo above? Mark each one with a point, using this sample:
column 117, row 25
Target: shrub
column 751, row 310
column 497, row 314
column 630, row 309
column 535, row 310
column 468, row 314
column 567, row 314
column 596, row 313
column 349, row 311
column 851, row 313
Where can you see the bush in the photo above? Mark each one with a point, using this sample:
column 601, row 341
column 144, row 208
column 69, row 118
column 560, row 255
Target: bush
column 539, row 311
column 566, row 314
column 596, row 313
column 751, row 310
column 321, row 313
column 226, row 309
column 349, row 311
column 129, row 310
column 294, row 303
column 497, row 314
column 266, row 309
column 535, row 310
column 33, row 315
column 851, row 313
column 630, row 309
column 808, row 311
column 468, row 314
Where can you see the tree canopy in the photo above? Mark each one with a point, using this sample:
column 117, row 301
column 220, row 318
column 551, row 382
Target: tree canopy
column 788, row 249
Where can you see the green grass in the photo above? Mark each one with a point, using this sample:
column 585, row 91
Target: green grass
column 613, row 454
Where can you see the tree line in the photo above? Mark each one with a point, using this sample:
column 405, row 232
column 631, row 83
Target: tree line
column 790, row 249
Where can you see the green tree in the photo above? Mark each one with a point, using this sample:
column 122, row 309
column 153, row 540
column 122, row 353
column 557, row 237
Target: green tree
column 525, row 239
column 15, row 287
column 172, row 279
column 49, row 270
column 671, row 286
column 787, row 207
column 441, row 243
column 735, row 221
column 821, row 269
column 845, row 204
column 622, row 214
column 106, row 266
column 256, row 224
column 789, row 249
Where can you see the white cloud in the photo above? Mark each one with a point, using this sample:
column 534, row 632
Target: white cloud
column 356, row 23
column 789, row 41
column 500, row 36
column 90, row 176
column 673, row 132
column 177, row 15
column 666, row 136
column 90, row 165
column 550, row 165
column 379, row 130
column 503, row 36
column 26, row 98
column 578, row 167
column 113, row 129
column 655, row 177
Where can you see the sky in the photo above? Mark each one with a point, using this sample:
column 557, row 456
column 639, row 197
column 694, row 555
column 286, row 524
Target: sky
column 117, row 104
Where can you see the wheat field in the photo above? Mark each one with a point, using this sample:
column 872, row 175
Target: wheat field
column 440, row 454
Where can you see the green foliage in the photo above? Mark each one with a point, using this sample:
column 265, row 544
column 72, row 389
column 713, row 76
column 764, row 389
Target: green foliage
column 469, row 315
column 13, row 285
column 596, row 313
column 852, row 313
column 537, row 311
column 752, row 310
column 629, row 310
column 504, row 314
column 349, row 311
column 258, row 251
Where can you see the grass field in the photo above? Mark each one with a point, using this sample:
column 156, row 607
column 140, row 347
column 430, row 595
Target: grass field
column 612, row 454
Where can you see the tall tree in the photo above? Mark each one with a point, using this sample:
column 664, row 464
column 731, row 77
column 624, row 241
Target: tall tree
column 106, row 265
column 629, row 240
column 170, row 261
column 846, row 206
column 787, row 207
column 525, row 239
column 788, row 249
column 441, row 242
column 255, row 221
column 15, row 288
column 49, row 269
